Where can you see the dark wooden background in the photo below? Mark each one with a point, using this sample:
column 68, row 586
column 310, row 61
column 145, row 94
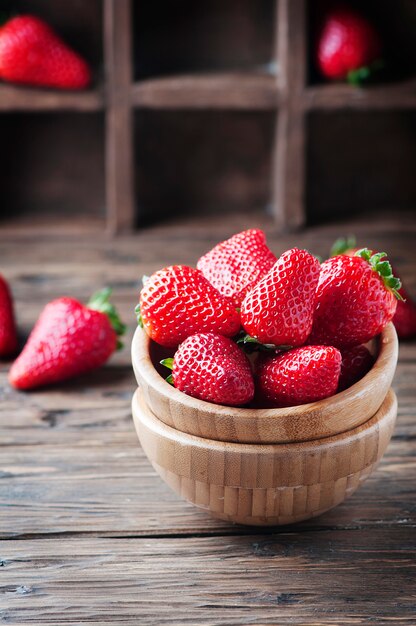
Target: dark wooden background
column 207, row 107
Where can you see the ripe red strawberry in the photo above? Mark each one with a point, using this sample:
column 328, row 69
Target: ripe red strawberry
column 279, row 309
column 8, row 335
column 68, row 339
column 237, row 264
column 405, row 317
column 348, row 46
column 212, row 368
column 302, row 375
column 356, row 362
column 355, row 299
column 31, row 53
column 178, row 301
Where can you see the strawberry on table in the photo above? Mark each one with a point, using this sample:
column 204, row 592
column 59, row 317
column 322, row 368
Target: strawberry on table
column 235, row 266
column 212, row 368
column 405, row 317
column 348, row 46
column 31, row 53
column 178, row 301
column 68, row 339
column 305, row 374
column 8, row 334
column 279, row 309
column 356, row 362
column 355, row 299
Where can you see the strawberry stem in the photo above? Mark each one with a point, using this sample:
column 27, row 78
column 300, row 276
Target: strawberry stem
column 100, row 301
column 169, row 364
column 383, row 268
column 138, row 315
column 251, row 344
column 342, row 245
column 364, row 74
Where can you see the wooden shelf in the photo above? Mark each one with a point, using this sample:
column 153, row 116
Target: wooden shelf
column 392, row 96
column 29, row 99
column 252, row 91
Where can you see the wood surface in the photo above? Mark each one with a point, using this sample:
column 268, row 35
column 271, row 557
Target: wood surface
column 91, row 535
column 331, row 416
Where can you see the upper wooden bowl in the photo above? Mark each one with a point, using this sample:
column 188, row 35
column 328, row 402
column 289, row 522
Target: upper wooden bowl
column 334, row 415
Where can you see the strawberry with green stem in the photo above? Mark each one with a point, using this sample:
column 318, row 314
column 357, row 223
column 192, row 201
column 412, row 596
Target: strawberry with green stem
column 356, row 298
column 405, row 317
column 69, row 339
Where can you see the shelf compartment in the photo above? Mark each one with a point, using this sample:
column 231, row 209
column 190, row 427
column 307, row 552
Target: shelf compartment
column 360, row 161
column 254, row 91
column 211, row 35
column 201, row 161
column 51, row 167
column 389, row 96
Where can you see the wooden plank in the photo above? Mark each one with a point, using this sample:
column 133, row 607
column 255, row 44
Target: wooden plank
column 395, row 96
column 119, row 142
column 32, row 99
column 325, row 578
column 288, row 180
column 239, row 91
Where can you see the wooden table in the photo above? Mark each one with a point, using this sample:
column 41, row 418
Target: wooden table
column 91, row 535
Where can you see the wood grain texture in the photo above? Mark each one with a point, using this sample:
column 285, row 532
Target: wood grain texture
column 329, row 578
column 29, row 99
column 264, row 485
column 102, row 538
column 331, row 416
column 253, row 91
column 119, row 120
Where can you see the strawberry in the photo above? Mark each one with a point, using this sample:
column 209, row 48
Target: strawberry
column 31, row 53
column 67, row 340
column 356, row 362
column 302, row 375
column 8, row 334
column 212, row 368
column 178, row 301
column 355, row 299
column 348, row 46
column 237, row 264
column 405, row 317
column 279, row 309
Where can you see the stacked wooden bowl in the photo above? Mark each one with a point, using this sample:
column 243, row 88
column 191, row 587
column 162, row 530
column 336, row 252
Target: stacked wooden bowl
column 265, row 466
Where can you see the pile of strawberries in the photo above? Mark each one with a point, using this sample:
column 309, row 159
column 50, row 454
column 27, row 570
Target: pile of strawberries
column 303, row 322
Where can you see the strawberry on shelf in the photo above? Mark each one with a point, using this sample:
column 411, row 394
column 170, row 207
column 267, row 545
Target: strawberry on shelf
column 31, row 53
column 348, row 46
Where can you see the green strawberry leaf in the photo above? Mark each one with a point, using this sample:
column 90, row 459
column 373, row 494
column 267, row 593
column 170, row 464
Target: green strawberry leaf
column 342, row 245
column 138, row 315
column 167, row 363
column 169, row 379
column 365, row 74
column 251, row 344
column 100, row 301
column 383, row 268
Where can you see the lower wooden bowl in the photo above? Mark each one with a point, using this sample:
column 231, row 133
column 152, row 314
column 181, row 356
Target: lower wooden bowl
column 264, row 485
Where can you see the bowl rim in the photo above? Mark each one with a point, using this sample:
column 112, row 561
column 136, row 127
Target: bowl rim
column 387, row 352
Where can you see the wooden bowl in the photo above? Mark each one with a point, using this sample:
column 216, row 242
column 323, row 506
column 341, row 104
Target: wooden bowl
column 325, row 418
column 264, row 484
